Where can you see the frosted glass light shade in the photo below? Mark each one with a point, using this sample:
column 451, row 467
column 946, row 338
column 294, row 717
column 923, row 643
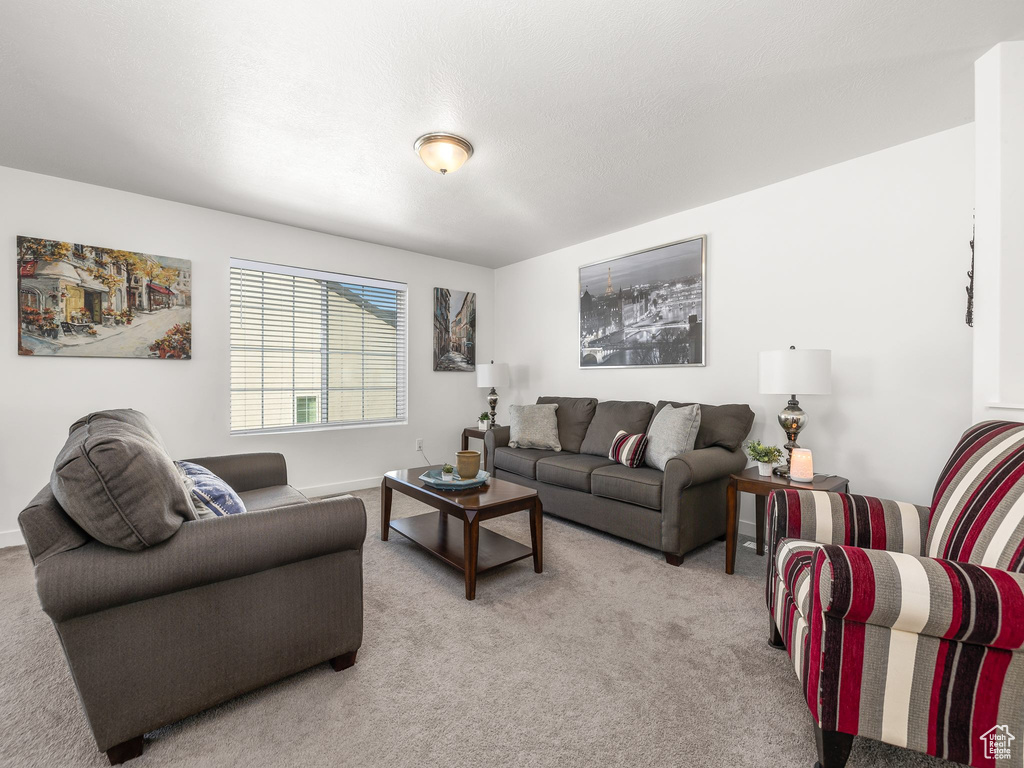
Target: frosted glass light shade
column 801, row 466
column 443, row 152
column 492, row 375
column 796, row 372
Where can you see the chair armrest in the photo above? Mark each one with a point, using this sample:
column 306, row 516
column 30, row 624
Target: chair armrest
column 943, row 599
column 247, row 471
column 95, row 577
column 696, row 467
column 496, row 437
column 842, row 518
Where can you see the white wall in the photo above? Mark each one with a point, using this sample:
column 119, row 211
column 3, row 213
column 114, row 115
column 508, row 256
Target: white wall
column 188, row 400
column 867, row 258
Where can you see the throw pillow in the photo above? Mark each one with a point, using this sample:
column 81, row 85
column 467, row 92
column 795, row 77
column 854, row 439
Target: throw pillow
column 534, row 426
column 627, row 449
column 673, row 431
column 211, row 496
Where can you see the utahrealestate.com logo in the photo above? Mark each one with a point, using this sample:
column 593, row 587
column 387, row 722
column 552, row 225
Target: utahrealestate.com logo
column 997, row 742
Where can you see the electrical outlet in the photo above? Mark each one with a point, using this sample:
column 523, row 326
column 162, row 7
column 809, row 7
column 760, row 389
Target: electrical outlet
column 419, row 443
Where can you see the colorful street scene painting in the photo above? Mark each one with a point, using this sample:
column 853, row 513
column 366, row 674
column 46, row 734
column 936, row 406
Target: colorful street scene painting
column 85, row 301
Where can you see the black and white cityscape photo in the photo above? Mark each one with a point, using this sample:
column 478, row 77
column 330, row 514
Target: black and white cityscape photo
column 644, row 309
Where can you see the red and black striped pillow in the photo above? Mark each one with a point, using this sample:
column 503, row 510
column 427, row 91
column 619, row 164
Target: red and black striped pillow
column 627, row 449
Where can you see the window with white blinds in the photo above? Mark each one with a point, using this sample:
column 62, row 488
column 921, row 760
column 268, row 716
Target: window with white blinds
column 313, row 349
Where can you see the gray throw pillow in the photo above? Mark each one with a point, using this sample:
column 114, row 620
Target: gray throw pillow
column 119, row 485
column 534, row 426
column 673, row 431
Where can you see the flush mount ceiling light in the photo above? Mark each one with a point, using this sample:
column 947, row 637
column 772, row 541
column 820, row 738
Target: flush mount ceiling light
column 443, row 152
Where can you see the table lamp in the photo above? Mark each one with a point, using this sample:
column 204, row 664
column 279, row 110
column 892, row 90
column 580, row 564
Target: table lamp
column 492, row 375
column 790, row 372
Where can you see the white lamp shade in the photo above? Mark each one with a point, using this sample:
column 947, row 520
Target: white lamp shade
column 796, row 372
column 492, row 375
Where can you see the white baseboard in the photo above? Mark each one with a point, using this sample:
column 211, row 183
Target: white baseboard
column 747, row 528
column 346, row 487
column 11, row 538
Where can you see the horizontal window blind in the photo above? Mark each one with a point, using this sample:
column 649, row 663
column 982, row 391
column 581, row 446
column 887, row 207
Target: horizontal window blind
column 314, row 349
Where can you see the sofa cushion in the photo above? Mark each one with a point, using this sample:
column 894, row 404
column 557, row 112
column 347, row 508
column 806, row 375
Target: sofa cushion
column 570, row 470
column 128, row 416
column 273, row 497
column 724, row 425
column 631, row 416
column 673, row 431
column 520, row 461
column 534, row 426
column 574, row 416
column 119, row 485
column 640, row 485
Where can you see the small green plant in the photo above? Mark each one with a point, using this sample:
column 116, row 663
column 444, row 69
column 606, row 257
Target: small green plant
column 763, row 454
column 448, row 469
column 485, row 416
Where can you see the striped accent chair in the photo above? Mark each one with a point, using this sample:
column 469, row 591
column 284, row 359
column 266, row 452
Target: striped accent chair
column 904, row 623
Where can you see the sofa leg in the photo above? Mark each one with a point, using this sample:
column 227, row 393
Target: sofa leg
column 344, row 661
column 675, row 560
column 833, row 747
column 774, row 636
column 125, row 751
column 721, row 538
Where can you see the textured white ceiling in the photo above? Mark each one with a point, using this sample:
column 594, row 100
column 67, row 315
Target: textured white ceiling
column 587, row 116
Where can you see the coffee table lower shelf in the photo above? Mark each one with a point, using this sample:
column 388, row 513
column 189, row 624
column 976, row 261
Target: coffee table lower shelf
column 444, row 539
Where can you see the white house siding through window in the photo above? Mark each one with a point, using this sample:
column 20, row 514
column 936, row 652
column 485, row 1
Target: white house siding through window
column 313, row 349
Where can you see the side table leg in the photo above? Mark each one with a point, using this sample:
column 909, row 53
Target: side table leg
column 470, row 540
column 385, row 509
column 537, row 535
column 759, row 506
column 730, row 528
column 465, row 441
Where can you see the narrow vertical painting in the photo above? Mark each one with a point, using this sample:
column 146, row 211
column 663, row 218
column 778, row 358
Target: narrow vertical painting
column 79, row 300
column 454, row 330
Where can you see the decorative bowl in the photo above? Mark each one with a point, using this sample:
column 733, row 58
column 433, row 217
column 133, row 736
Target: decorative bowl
column 432, row 477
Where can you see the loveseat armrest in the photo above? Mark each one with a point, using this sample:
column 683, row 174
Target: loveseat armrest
column 928, row 596
column 247, row 471
column 496, row 437
column 95, row 577
column 846, row 519
column 696, row 467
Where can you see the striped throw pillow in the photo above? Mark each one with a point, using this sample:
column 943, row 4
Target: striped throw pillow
column 627, row 449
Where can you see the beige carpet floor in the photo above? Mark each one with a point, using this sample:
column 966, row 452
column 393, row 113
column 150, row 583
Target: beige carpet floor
column 610, row 657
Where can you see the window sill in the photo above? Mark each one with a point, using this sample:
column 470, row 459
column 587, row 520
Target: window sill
column 325, row 428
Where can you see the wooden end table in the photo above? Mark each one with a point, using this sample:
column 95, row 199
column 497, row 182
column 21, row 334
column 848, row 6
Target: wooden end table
column 751, row 481
column 479, row 434
column 474, row 549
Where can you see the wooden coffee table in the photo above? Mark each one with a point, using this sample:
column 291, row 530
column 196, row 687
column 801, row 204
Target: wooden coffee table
column 474, row 549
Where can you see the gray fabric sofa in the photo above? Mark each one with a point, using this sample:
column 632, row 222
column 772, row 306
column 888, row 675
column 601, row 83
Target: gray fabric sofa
column 673, row 511
column 217, row 608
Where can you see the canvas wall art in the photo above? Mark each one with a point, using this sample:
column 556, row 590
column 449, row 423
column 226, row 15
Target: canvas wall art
column 454, row 330
column 644, row 309
column 85, row 301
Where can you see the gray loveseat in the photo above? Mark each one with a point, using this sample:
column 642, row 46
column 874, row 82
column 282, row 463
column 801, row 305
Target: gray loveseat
column 169, row 615
column 673, row 511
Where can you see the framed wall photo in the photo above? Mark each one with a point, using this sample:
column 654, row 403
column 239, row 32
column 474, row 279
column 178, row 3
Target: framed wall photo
column 79, row 300
column 454, row 330
column 645, row 309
